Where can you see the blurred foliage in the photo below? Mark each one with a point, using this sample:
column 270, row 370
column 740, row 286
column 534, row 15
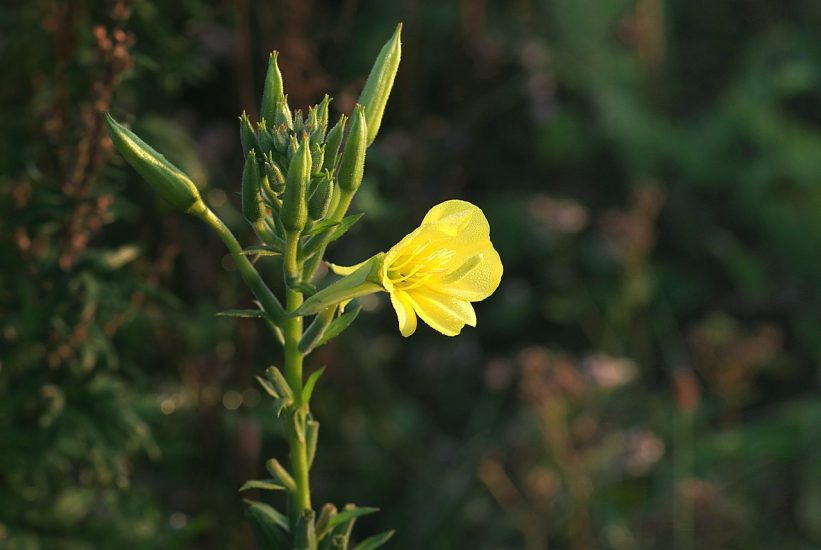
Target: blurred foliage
column 647, row 375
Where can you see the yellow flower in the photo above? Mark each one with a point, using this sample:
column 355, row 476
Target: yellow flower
column 436, row 271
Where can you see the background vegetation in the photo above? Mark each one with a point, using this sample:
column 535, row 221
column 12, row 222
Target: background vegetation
column 646, row 376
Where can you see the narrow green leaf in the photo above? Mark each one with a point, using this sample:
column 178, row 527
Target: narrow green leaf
column 351, row 513
column 343, row 227
column 308, row 390
column 264, row 484
column 313, row 334
column 243, row 313
column 371, row 543
column 268, row 387
column 338, row 325
column 270, row 526
column 311, row 438
column 261, row 250
column 320, row 226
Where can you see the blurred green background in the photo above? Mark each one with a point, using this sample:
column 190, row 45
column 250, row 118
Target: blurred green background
column 646, row 376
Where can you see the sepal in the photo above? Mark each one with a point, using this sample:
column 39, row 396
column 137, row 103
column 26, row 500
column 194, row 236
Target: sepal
column 362, row 281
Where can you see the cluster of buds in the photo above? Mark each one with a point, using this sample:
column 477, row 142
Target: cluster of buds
column 298, row 180
column 300, row 175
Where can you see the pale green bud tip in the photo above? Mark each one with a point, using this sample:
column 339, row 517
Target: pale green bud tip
column 273, row 92
column 380, row 82
column 168, row 180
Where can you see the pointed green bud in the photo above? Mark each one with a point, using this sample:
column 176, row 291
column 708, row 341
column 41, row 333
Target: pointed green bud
column 281, row 138
column 318, row 132
column 247, row 136
column 266, row 139
column 299, row 124
column 168, row 180
column 317, row 156
column 328, row 511
column 294, row 213
column 274, row 175
column 272, row 92
column 332, row 143
column 252, row 205
column 282, row 115
column 320, row 200
column 380, row 82
column 313, row 121
column 352, row 166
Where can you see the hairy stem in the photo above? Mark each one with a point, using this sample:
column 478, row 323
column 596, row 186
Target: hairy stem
column 341, row 209
column 292, row 331
column 249, row 274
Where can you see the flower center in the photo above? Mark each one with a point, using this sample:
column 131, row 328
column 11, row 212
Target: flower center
column 414, row 267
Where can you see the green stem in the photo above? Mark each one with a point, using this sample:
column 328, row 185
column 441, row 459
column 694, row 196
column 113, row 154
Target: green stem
column 249, row 274
column 339, row 212
column 292, row 331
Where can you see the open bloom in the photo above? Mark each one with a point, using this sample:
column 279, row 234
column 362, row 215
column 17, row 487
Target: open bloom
column 436, row 271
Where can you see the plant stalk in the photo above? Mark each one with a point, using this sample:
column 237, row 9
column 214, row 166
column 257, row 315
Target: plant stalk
column 249, row 274
column 338, row 214
column 292, row 331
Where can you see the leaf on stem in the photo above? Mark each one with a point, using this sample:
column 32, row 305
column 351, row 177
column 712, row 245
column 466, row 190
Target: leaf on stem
column 270, row 526
column 308, row 390
column 264, row 484
column 261, row 250
column 349, row 514
column 243, row 313
column 371, row 543
column 338, row 325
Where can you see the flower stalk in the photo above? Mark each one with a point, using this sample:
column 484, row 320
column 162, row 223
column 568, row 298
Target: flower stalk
column 297, row 185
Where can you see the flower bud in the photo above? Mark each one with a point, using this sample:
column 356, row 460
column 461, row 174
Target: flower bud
column 272, row 92
column 266, row 139
column 317, row 156
column 282, row 114
column 318, row 135
column 168, row 180
column 374, row 96
column 320, row 200
column 352, row 166
column 281, row 138
column 333, row 142
column 274, row 175
column 252, row 205
column 299, row 124
column 294, row 213
column 247, row 136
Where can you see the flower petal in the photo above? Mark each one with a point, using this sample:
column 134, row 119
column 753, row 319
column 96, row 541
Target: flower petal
column 404, row 312
column 479, row 282
column 468, row 220
column 444, row 313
